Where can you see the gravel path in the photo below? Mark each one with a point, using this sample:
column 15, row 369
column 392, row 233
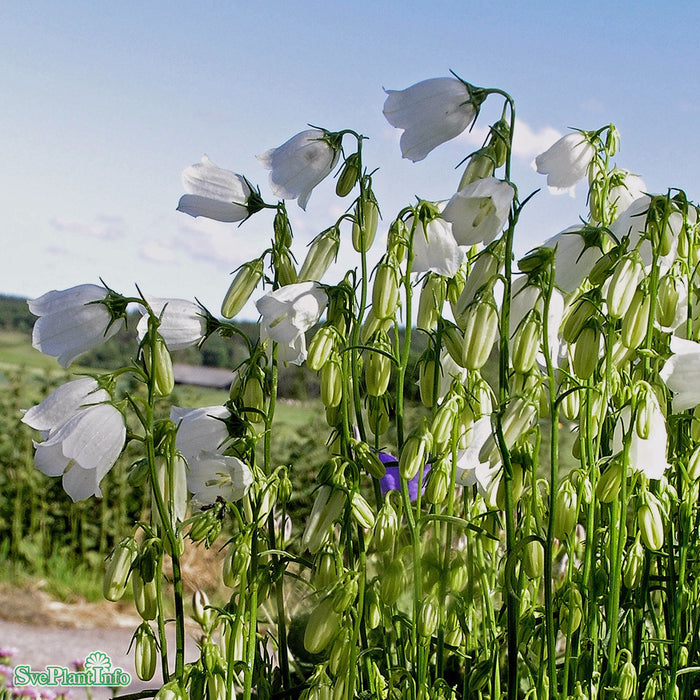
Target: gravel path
column 40, row 646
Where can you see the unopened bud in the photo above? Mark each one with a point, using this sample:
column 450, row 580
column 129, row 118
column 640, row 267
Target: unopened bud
column 282, row 229
column 623, row 284
column 571, row 611
column 242, row 288
column 582, row 310
column 610, row 481
column 322, row 627
column 362, row 511
column 669, row 295
column 146, row 652
column 385, row 528
column 634, row 565
column 481, row 164
column 284, row 266
column 348, row 175
column 331, row 383
column 480, row 329
column 118, row 568
column 587, row 351
column 533, row 559
column 378, row 365
column 377, row 414
column 413, row 454
column 432, row 297
column 327, row 508
column 145, row 595
column 393, row 581
column 321, row 348
column 526, row 343
column 322, row 253
column 385, row 292
column 566, row 511
column 364, row 226
column 437, row 483
column 651, row 523
column 627, row 680
column 636, row 320
column 428, row 616
column 160, row 366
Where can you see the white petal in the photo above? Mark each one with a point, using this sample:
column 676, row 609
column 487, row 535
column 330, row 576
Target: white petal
column 215, row 209
column 435, row 249
column 209, row 181
column 182, row 324
column 430, row 112
column 49, row 458
column 199, row 429
column 566, row 162
column 57, row 301
column 80, row 484
column 63, row 403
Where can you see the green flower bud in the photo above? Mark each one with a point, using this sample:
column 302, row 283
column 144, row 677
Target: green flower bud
column 283, row 265
column 362, row 511
column 397, row 238
column 385, row 528
column 634, row 565
column 200, row 608
column 437, row 483
column 458, row 574
column 242, row 287
column 582, row 310
column 205, row 525
column 444, row 422
column 385, row 291
column 533, row 559
column 321, row 347
column 566, row 510
column 694, row 465
column 393, row 582
column 146, row 652
column 367, row 459
column 571, row 611
column 373, row 609
column 647, row 407
column 118, row 569
column 481, row 164
column 339, row 659
column 428, row 617
column 483, row 274
column 604, row 266
column 627, row 680
column 432, row 297
column 586, row 351
column 526, row 343
column 623, row 284
column 145, row 595
column 453, row 339
column 282, row 229
column 323, row 251
column 636, row 320
column 668, row 298
column 327, row 508
column 331, row 383
column 325, row 572
column 160, row 367
column 377, row 414
column 536, row 260
column 345, row 593
column 364, row 226
column 254, row 396
column 480, row 329
column 322, row 627
column 348, row 175
column 650, row 520
column 170, row 691
column 516, row 487
column 413, row 455
column 610, row 481
column 378, row 366
column 236, row 560
column 426, row 378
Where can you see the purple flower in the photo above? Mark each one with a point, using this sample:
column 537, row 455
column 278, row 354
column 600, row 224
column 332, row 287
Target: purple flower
column 391, row 481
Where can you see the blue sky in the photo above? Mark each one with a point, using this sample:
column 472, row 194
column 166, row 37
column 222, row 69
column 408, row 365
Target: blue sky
column 105, row 103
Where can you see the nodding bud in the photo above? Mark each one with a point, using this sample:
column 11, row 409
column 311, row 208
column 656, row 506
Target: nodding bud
column 647, row 408
column 623, row 284
column 636, row 320
column 378, row 365
column 327, row 508
column 634, row 565
column 481, row 164
column 378, row 414
column 414, row 453
column 322, row 627
column 566, row 511
column 480, row 329
column 443, row 423
column 669, row 296
column 321, row 347
column 385, row 291
column 526, row 343
column 322, row 253
column 145, row 595
column 331, row 383
column 367, row 459
column 427, row 369
column 484, row 272
column 650, row 519
column 362, row 511
column 432, row 297
column 284, row 266
column 146, row 652
column 385, row 528
column 200, row 608
column 533, row 559
column 172, row 690
column 242, row 288
column 627, row 680
column 118, row 568
column 364, row 226
column 587, row 350
column 159, row 366
column 694, row 465
column 393, row 581
column 610, row 481
column 428, row 616
column 571, row 611
column 348, row 175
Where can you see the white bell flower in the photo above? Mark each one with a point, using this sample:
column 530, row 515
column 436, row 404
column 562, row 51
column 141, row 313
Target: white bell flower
column 287, row 313
column 565, row 162
column 200, row 430
column 625, row 188
column 182, row 323
column 83, row 449
column 298, row 165
column 479, row 211
column 214, row 193
column 430, row 113
column 70, row 324
column 435, row 248
column 681, row 373
column 212, row 475
column 471, row 469
column 63, row 403
column 573, row 259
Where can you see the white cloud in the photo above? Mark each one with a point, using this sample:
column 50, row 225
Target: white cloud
column 155, row 252
column 103, row 227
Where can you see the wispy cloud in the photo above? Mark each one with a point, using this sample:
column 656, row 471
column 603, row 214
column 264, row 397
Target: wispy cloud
column 103, row 227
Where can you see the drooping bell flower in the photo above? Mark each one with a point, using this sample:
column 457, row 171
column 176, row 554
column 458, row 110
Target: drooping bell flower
column 215, row 193
column 435, row 248
column 681, row 373
column 182, row 323
column 391, row 481
column 73, row 321
column 431, row 112
column 298, row 165
column 565, row 162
